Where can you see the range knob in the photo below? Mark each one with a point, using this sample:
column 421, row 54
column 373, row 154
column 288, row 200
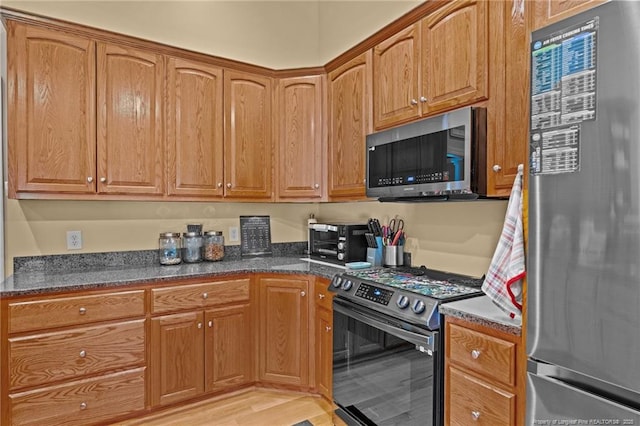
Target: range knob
column 418, row 307
column 346, row 285
column 402, row 302
column 342, row 245
column 340, row 256
column 337, row 281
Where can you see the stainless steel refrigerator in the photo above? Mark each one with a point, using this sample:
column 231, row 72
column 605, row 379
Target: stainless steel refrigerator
column 583, row 261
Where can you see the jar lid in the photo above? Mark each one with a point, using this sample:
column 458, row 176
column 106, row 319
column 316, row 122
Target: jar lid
column 169, row 235
column 191, row 234
column 213, row 233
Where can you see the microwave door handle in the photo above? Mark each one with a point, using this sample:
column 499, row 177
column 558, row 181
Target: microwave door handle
column 425, row 341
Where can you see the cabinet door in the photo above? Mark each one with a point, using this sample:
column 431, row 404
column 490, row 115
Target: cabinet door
column 549, row 11
column 300, row 144
column 194, row 129
column 247, row 138
column 508, row 106
column 130, row 145
column 51, row 111
column 324, row 352
column 455, row 55
column 228, row 347
column 349, row 124
column 396, row 65
column 177, row 357
column 284, row 331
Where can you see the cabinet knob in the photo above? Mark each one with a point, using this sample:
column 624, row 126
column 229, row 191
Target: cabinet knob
column 83, row 354
column 321, row 296
column 83, row 405
column 90, row 179
column 199, row 325
column 475, row 354
column 423, row 99
column 210, row 324
column 414, row 102
column 82, row 310
column 228, row 185
column 303, row 294
column 103, row 179
column 475, row 415
column 316, row 186
column 496, row 168
column 205, row 295
column 219, row 184
column 327, row 328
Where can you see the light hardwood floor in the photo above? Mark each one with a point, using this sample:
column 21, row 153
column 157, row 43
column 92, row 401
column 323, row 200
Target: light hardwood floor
column 254, row 407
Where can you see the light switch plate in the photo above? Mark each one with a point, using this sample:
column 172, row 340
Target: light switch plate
column 233, row 234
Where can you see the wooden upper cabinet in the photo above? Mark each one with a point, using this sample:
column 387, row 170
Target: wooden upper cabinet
column 299, row 140
column 247, row 140
column 349, row 123
column 396, row 74
column 549, row 11
column 194, row 123
column 129, row 137
column 51, row 111
column 455, row 55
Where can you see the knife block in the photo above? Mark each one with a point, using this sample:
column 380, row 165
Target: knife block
column 374, row 254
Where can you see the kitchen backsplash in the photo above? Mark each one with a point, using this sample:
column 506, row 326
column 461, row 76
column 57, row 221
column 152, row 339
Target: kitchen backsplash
column 133, row 258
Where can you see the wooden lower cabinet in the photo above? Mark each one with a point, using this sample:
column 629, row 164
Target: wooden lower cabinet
column 484, row 375
column 228, row 347
column 82, row 402
column 197, row 352
column 76, row 359
column 284, row 329
column 324, row 338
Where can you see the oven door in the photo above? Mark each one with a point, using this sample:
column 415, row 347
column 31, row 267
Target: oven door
column 385, row 372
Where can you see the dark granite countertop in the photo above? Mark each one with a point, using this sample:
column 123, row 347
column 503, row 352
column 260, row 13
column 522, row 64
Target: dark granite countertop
column 45, row 281
column 481, row 310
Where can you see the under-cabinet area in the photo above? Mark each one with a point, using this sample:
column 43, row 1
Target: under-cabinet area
column 92, row 357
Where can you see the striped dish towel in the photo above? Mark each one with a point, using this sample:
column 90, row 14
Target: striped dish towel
column 503, row 281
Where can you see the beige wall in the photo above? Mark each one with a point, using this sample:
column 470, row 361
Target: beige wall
column 459, row 237
column 274, row 34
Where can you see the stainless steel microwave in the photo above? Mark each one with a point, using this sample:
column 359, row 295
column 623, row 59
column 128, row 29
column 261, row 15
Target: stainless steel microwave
column 441, row 157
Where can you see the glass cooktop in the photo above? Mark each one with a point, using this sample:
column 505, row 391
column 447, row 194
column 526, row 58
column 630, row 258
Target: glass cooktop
column 434, row 284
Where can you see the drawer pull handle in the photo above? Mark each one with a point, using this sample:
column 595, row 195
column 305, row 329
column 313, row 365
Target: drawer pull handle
column 82, row 311
column 475, row 415
column 83, row 354
column 321, row 296
column 475, row 354
column 83, row 405
column 210, row 324
column 205, row 295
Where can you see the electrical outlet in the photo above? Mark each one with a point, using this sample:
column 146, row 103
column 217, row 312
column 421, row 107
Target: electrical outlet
column 233, row 234
column 74, row 240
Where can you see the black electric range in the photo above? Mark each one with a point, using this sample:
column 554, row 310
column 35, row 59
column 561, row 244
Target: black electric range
column 411, row 294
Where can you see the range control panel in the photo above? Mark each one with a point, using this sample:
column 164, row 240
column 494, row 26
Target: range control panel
column 374, row 294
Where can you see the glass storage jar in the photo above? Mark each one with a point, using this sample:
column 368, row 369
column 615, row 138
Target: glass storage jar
column 169, row 248
column 191, row 247
column 213, row 245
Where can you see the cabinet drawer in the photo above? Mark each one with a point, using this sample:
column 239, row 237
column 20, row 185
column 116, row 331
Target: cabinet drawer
column 49, row 357
column 196, row 296
column 82, row 402
column 323, row 296
column 485, row 354
column 59, row 312
column 473, row 401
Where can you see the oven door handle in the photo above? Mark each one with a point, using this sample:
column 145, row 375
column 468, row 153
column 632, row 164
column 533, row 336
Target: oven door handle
column 424, row 342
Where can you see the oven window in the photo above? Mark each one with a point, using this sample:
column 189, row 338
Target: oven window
column 381, row 377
